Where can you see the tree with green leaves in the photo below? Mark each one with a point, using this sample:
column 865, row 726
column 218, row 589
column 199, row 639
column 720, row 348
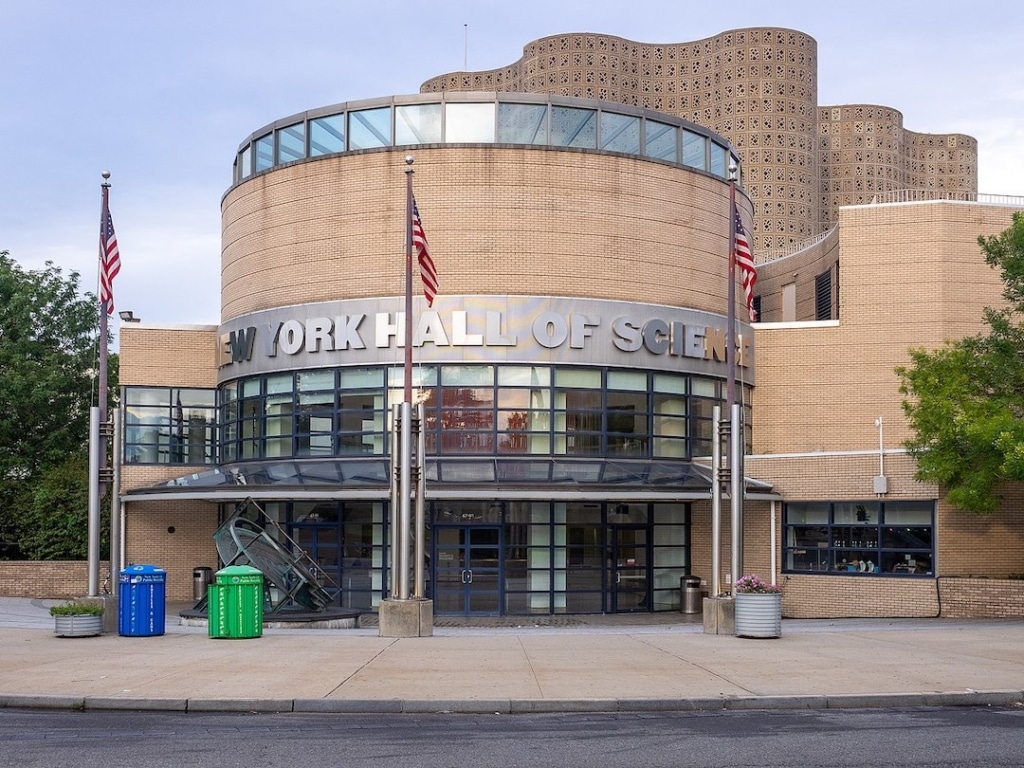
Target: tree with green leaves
column 965, row 401
column 48, row 362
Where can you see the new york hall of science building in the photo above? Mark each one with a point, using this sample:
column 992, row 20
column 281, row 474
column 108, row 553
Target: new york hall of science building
column 576, row 204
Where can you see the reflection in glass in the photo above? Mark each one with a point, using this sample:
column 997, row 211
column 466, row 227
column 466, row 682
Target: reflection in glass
column 572, row 127
column 418, row 124
column 854, row 537
column 326, row 135
column 660, row 141
column 695, row 150
column 620, row 133
column 369, row 128
column 246, row 162
column 264, row 152
column 291, row 143
column 469, row 123
column 718, row 159
column 522, row 124
column 534, row 410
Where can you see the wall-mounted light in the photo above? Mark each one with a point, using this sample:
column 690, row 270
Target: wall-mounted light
column 880, row 484
column 127, row 316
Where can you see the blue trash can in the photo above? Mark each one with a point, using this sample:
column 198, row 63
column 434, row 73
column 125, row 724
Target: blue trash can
column 141, row 601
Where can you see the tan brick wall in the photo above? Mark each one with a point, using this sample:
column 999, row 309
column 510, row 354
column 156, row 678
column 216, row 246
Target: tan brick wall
column 153, row 355
column 911, row 275
column 54, row 579
column 498, row 220
column 151, row 540
column 990, row 546
column 981, row 598
column 800, row 270
column 837, row 597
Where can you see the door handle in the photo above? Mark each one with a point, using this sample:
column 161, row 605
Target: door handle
column 618, row 577
column 470, row 573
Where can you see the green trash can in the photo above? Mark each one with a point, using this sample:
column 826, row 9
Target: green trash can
column 235, row 607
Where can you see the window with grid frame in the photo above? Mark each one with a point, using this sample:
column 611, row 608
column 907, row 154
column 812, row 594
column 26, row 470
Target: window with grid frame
column 867, row 538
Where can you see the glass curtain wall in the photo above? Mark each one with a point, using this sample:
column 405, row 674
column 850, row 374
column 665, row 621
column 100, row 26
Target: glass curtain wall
column 481, row 410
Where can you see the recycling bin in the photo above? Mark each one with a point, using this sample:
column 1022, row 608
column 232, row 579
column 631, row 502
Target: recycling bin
column 235, row 606
column 141, row 601
column 690, row 596
column 201, row 578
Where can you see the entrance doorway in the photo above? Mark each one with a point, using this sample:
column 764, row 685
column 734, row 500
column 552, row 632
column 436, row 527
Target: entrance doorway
column 629, row 571
column 467, row 569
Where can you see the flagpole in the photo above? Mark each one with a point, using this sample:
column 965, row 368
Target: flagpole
column 408, row 278
column 730, row 328
column 402, row 614
column 98, row 445
column 735, row 445
column 403, row 534
column 104, row 309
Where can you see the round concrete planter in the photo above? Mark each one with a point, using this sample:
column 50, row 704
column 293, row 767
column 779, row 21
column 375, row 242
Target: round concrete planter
column 758, row 614
column 78, row 625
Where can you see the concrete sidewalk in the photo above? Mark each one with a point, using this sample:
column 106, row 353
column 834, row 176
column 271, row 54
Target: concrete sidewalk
column 653, row 662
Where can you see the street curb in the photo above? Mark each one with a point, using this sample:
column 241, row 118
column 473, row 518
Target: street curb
column 1002, row 698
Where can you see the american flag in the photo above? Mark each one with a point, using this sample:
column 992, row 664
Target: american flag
column 427, row 269
column 745, row 261
column 110, row 263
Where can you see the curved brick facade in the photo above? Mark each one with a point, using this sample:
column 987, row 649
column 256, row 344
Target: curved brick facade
column 757, row 87
column 511, row 219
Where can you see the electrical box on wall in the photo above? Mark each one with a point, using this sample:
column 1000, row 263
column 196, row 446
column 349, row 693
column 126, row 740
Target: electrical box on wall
column 881, row 484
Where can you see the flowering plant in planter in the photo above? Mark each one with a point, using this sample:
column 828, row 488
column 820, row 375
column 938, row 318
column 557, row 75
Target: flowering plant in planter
column 753, row 585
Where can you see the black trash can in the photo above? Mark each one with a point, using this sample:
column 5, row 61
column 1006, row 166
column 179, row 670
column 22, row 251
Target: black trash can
column 690, row 595
column 202, row 577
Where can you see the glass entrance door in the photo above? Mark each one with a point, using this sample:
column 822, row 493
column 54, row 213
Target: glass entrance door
column 466, row 574
column 321, row 543
column 630, row 575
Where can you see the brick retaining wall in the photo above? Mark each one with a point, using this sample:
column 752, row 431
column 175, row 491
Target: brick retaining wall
column 63, row 579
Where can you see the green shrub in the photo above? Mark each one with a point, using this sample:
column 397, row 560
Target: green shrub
column 76, row 609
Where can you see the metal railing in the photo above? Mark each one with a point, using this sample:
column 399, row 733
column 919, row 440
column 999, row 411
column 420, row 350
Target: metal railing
column 927, row 195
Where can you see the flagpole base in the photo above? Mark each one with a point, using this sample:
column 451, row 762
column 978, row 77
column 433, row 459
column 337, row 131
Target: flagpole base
column 406, row 618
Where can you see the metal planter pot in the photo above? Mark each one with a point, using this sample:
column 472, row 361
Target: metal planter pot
column 758, row 614
column 78, row 625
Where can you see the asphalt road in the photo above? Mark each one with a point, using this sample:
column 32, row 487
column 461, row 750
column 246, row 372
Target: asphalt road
column 972, row 737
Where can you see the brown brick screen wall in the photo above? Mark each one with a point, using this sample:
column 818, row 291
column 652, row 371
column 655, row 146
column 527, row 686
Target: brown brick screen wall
column 758, row 88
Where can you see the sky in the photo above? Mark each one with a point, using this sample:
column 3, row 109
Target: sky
column 161, row 94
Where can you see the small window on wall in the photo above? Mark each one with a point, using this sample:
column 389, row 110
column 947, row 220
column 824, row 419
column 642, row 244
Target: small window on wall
column 823, row 296
column 789, row 303
column 863, row 538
